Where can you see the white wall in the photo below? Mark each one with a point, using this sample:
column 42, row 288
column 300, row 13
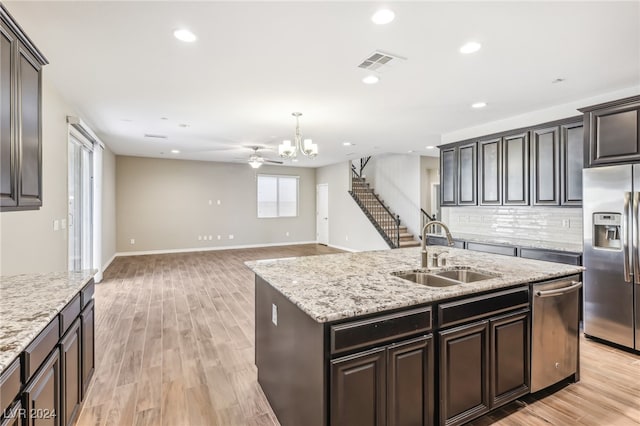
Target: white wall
column 28, row 241
column 108, row 206
column 349, row 228
column 557, row 112
column 396, row 178
column 163, row 204
column 429, row 174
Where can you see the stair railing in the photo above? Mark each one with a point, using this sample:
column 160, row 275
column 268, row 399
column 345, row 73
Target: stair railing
column 426, row 217
column 387, row 224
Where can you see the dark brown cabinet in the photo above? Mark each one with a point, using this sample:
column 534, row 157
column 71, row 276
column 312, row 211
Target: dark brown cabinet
column 490, row 172
column 21, row 120
column 571, row 163
column 545, row 167
column 515, row 169
column 612, row 132
column 358, row 389
column 464, row 373
column 87, row 318
column 467, row 175
column 42, row 394
column 509, row 358
column 71, row 373
column 449, row 176
column 13, row 416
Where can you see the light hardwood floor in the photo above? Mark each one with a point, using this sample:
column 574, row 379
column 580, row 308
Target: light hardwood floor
column 175, row 346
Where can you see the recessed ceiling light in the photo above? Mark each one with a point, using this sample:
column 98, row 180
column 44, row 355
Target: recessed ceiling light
column 410, row 151
column 183, row 125
column 383, row 17
column 175, row 151
column 348, row 143
column 479, row 105
column 430, row 147
column 185, row 35
column 371, row 79
column 470, row 47
column 164, row 118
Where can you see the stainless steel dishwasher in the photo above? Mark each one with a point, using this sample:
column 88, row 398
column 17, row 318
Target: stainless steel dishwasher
column 554, row 343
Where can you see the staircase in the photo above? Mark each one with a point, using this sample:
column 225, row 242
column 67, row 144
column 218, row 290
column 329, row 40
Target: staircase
column 383, row 219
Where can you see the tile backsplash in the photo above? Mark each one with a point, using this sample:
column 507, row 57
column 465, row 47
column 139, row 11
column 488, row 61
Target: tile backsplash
column 552, row 224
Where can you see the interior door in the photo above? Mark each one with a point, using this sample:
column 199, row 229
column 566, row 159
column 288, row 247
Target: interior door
column 322, row 213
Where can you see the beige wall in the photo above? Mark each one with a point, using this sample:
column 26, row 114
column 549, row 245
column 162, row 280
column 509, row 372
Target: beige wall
column 349, row 228
column 164, row 205
column 108, row 206
column 28, row 241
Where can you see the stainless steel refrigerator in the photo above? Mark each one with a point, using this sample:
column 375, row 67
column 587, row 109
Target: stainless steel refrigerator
column 611, row 244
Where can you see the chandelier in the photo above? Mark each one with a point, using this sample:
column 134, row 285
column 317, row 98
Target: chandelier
column 288, row 149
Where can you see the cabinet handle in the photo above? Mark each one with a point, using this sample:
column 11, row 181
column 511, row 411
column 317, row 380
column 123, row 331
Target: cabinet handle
column 559, row 291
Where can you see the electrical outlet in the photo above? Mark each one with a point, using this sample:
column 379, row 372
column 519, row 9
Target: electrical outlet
column 566, row 223
column 56, row 225
column 210, row 202
column 218, row 202
column 346, row 238
column 286, row 233
column 231, row 236
column 219, row 237
column 63, row 224
column 199, row 237
column 132, row 241
column 210, row 237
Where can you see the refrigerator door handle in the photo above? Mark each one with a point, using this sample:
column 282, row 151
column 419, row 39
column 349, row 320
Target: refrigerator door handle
column 625, row 236
column 636, row 240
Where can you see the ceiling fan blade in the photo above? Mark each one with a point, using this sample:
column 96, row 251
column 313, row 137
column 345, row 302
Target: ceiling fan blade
column 273, row 161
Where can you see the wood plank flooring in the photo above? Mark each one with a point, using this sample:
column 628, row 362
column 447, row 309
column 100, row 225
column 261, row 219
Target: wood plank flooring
column 175, row 346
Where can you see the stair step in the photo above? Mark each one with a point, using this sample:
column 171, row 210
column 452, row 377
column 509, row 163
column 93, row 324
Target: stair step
column 412, row 243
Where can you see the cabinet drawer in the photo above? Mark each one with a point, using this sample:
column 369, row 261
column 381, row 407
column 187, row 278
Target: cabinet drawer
column 552, row 256
column 442, row 241
column 69, row 314
column 478, row 307
column 492, row 248
column 35, row 354
column 359, row 334
column 86, row 294
column 10, row 385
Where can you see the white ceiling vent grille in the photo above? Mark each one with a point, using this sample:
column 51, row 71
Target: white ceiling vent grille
column 379, row 60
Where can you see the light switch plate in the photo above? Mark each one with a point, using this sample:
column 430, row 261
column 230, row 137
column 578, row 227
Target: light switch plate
column 56, row 225
column 274, row 314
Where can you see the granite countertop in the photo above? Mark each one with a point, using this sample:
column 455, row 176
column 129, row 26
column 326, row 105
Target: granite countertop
column 520, row 242
column 29, row 302
column 337, row 286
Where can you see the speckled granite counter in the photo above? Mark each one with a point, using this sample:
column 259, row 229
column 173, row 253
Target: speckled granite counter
column 336, row 286
column 29, row 302
column 518, row 242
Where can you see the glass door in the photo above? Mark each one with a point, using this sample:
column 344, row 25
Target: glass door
column 80, row 203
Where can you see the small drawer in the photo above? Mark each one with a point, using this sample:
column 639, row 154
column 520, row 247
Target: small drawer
column 10, row 384
column 380, row 329
column 568, row 258
column 86, row 294
column 478, row 307
column 39, row 349
column 69, row 314
column 492, row 248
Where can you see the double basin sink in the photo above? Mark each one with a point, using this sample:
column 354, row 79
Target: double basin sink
column 444, row 278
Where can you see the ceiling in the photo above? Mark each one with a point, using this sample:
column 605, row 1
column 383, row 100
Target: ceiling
column 254, row 63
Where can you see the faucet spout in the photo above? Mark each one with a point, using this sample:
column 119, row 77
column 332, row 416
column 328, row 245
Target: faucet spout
column 424, row 238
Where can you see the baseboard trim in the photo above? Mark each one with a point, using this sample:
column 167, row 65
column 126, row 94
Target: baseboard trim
column 217, row 248
column 108, row 262
column 343, row 248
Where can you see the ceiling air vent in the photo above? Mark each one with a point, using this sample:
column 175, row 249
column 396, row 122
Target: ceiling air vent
column 154, row 136
column 379, row 59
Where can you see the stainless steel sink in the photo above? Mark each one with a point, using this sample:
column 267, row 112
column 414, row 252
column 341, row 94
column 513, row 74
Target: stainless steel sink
column 464, row 275
column 426, row 278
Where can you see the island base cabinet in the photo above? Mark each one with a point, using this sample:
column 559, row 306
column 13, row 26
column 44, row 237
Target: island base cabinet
column 88, row 346
column 71, row 373
column 15, row 416
column 464, row 373
column 42, row 394
column 390, row 386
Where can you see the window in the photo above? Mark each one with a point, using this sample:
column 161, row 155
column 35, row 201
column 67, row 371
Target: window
column 277, row 196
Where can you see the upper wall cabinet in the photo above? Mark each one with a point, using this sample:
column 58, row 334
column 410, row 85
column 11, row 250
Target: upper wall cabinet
column 20, row 118
column 539, row 166
column 612, row 132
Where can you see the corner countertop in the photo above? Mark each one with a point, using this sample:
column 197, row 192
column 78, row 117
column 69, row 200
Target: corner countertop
column 29, row 302
column 513, row 241
column 338, row 286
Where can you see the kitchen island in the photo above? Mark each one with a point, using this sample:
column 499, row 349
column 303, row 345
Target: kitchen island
column 342, row 340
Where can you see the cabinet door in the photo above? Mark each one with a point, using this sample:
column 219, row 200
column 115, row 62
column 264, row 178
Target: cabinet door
column 613, row 135
column 545, row 165
column 29, row 89
column 71, row 373
column 464, row 373
column 448, row 176
column 467, row 175
column 87, row 318
column 13, row 416
column 515, row 170
column 571, row 163
column 509, row 358
column 42, row 394
column 358, row 389
column 410, row 378
column 8, row 170
column 489, row 171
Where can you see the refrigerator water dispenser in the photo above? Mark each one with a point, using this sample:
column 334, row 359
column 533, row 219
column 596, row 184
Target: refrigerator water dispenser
column 606, row 231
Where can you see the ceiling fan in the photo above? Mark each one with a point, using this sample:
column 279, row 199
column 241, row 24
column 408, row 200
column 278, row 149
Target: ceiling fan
column 256, row 160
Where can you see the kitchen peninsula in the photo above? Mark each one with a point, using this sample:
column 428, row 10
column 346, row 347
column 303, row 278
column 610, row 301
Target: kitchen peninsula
column 342, row 340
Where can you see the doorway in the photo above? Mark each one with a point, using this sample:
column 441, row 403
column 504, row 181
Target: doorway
column 322, row 213
column 80, row 202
